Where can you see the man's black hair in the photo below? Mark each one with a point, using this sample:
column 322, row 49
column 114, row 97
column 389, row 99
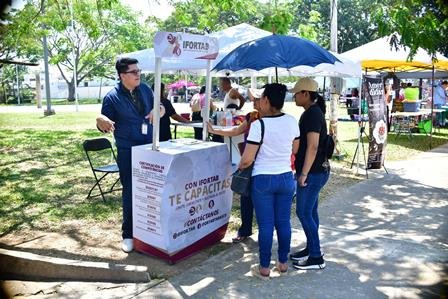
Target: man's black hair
column 123, row 63
column 225, row 79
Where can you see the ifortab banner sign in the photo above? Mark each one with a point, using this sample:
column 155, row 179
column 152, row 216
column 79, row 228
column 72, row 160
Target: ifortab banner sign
column 374, row 93
column 185, row 46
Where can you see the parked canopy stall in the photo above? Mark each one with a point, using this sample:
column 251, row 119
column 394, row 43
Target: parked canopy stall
column 380, row 56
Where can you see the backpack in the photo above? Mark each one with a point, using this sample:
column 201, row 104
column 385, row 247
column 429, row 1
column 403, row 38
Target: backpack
column 328, row 146
column 195, row 103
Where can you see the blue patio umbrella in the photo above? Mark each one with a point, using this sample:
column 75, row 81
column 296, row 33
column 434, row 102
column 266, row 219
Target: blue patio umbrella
column 279, row 51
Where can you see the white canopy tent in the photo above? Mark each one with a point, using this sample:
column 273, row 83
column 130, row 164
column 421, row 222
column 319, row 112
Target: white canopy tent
column 229, row 39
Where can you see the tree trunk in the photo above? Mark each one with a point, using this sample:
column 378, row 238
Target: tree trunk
column 71, row 91
column 335, row 83
column 334, row 118
column 38, row 91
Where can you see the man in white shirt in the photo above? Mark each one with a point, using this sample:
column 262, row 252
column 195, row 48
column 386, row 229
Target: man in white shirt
column 232, row 95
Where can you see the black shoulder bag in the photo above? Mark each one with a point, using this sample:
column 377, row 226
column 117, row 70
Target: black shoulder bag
column 241, row 178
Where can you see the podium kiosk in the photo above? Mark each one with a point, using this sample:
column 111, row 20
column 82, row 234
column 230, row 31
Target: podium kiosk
column 181, row 197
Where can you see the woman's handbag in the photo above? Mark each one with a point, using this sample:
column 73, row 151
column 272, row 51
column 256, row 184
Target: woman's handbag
column 241, row 178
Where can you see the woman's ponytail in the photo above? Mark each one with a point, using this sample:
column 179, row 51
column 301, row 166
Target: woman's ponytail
column 316, row 97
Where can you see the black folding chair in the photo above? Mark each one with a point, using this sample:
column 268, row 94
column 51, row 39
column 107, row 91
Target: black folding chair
column 104, row 153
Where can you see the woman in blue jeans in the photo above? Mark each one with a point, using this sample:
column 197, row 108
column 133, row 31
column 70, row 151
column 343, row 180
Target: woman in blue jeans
column 312, row 169
column 273, row 183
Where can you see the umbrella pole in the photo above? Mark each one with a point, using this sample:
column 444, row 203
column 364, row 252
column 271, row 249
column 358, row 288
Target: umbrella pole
column 323, row 94
column 276, row 75
column 432, row 108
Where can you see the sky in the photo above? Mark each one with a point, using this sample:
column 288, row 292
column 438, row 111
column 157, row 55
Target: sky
column 158, row 8
column 145, row 8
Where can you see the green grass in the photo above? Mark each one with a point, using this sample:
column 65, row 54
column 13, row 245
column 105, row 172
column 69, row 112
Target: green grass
column 400, row 148
column 58, row 102
column 45, row 177
column 44, row 174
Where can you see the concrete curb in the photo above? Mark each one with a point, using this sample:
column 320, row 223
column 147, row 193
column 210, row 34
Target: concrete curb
column 25, row 265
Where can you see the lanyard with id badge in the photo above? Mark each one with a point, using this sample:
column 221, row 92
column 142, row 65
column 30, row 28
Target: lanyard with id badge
column 145, row 127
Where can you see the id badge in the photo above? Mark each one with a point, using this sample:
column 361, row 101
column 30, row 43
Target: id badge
column 144, row 129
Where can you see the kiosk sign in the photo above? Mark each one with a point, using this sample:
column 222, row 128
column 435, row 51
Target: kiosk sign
column 180, row 193
column 185, row 46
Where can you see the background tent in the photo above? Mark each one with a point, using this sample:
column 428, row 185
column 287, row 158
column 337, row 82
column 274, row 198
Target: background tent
column 422, row 75
column 181, row 83
column 228, row 39
column 378, row 55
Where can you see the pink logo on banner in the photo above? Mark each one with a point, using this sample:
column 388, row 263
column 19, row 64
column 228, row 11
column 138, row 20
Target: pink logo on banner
column 174, row 41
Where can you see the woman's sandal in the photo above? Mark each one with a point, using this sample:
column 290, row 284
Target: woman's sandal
column 262, row 273
column 281, row 267
column 239, row 239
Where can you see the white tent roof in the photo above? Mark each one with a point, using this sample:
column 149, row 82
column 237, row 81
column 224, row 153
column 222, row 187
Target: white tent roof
column 228, row 39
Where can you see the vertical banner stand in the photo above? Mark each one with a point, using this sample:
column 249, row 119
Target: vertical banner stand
column 361, row 130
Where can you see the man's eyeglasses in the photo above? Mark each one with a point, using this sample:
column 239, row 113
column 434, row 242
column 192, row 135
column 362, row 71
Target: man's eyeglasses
column 134, row 72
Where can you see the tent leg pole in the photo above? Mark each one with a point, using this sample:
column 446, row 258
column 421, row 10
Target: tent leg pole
column 206, row 113
column 432, row 108
column 156, row 107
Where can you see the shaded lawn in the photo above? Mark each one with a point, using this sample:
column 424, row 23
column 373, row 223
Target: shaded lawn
column 44, row 177
column 44, row 174
column 400, row 148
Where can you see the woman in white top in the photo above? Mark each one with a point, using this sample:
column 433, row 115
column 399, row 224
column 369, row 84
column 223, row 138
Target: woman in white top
column 273, row 182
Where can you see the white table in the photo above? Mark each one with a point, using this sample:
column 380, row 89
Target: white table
column 232, row 142
column 406, row 120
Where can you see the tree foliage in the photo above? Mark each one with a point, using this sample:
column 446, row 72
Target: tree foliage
column 355, row 23
column 277, row 19
column 305, row 18
column 101, row 30
column 418, row 23
column 208, row 15
column 16, row 40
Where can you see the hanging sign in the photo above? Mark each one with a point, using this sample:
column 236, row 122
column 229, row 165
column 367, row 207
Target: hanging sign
column 185, row 46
